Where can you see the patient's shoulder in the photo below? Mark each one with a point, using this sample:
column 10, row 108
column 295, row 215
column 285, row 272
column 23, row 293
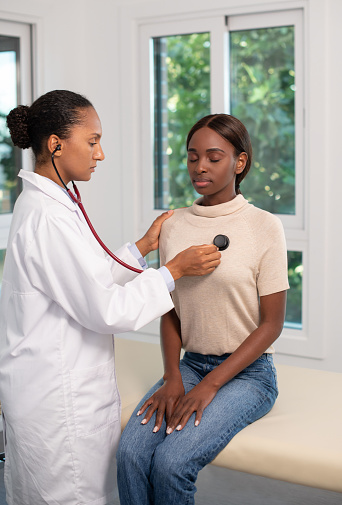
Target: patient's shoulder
column 176, row 219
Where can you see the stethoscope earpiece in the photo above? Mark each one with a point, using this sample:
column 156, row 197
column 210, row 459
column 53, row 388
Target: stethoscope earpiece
column 58, row 148
column 222, row 242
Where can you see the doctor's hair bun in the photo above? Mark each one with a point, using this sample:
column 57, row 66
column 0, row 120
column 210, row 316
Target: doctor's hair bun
column 54, row 113
column 17, row 122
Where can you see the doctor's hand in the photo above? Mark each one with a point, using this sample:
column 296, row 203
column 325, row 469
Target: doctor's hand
column 196, row 260
column 150, row 241
column 163, row 402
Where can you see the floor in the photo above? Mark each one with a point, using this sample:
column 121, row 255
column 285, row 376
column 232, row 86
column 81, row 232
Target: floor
column 218, row 486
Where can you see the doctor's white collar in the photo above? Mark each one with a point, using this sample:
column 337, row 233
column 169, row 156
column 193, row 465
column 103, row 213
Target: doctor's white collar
column 48, row 187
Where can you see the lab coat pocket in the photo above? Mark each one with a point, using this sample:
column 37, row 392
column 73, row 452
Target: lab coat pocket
column 95, row 398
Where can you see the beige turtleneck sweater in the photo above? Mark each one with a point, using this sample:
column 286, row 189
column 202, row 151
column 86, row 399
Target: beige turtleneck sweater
column 220, row 310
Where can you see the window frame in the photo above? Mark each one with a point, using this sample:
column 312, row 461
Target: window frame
column 217, row 29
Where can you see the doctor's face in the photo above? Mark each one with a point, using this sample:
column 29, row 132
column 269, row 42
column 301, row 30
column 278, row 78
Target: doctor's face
column 213, row 165
column 81, row 151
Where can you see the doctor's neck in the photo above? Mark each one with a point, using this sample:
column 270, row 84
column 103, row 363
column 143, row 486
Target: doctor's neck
column 45, row 170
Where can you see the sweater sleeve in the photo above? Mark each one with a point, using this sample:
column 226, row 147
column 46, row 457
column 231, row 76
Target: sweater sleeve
column 272, row 274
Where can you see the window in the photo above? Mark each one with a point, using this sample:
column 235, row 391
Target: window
column 273, row 83
column 178, row 88
column 294, row 304
column 15, row 88
column 263, row 90
column 262, row 84
column 181, row 97
column 9, row 184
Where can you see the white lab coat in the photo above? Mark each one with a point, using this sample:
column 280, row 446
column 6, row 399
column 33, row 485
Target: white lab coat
column 61, row 301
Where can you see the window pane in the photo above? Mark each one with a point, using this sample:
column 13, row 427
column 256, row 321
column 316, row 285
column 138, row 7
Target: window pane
column 262, row 83
column 181, row 97
column 152, row 259
column 10, row 158
column 293, row 318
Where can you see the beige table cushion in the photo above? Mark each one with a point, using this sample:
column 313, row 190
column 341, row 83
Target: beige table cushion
column 299, row 441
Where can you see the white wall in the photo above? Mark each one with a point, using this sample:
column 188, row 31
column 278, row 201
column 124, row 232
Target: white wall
column 78, row 47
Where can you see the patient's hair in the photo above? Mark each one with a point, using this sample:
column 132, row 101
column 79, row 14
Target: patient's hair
column 56, row 112
column 232, row 130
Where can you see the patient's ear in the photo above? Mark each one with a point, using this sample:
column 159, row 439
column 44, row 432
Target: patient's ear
column 241, row 163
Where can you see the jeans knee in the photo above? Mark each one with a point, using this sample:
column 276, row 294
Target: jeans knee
column 173, row 477
column 126, row 451
column 166, row 466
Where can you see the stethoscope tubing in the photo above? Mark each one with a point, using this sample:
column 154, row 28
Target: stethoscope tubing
column 77, row 199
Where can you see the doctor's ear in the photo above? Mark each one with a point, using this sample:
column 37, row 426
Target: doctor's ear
column 54, row 145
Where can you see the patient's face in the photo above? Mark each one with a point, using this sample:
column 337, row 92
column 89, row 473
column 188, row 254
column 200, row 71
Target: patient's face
column 212, row 166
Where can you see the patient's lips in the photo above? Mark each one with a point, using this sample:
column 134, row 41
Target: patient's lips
column 201, row 183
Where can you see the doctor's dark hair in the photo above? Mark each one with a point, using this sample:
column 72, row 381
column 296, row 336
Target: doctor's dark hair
column 232, row 130
column 56, row 112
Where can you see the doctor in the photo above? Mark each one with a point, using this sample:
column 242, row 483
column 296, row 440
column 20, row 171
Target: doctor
column 62, row 299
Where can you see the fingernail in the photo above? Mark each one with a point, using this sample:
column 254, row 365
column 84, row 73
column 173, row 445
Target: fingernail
column 168, row 431
column 196, row 423
column 143, row 421
column 155, row 429
column 138, row 413
column 179, row 427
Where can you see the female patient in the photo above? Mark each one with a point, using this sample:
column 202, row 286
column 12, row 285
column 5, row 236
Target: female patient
column 226, row 323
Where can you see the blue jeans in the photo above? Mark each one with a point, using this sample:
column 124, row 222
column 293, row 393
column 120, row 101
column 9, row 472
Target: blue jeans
column 160, row 469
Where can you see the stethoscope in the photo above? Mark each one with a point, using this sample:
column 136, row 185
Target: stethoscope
column 78, row 201
column 221, row 241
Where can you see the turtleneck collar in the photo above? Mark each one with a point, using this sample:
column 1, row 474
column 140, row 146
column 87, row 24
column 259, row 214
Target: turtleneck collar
column 221, row 209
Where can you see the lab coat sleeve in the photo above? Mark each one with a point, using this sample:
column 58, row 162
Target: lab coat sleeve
column 120, row 274
column 62, row 264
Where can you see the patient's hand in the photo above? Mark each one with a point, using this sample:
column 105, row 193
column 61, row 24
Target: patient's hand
column 196, row 400
column 164, row 401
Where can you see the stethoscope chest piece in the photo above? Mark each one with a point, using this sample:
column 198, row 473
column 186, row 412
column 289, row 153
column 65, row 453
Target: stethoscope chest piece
column 222, row 242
